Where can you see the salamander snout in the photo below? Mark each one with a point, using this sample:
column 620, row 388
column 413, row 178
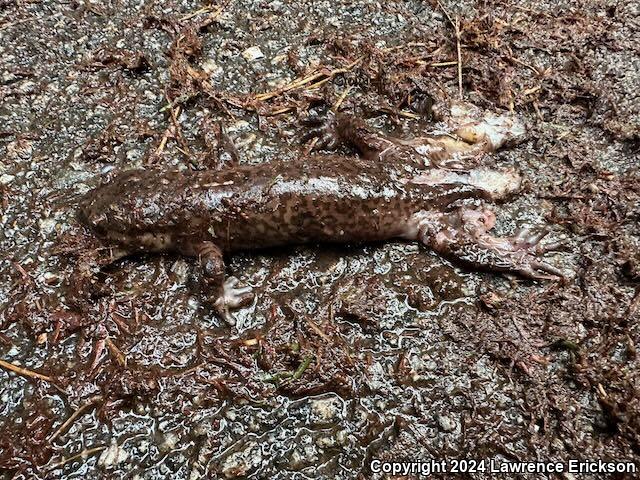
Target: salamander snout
column 109, row 209
column 92, row 214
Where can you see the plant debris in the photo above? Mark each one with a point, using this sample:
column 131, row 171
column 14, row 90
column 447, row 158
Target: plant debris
column 348, row 353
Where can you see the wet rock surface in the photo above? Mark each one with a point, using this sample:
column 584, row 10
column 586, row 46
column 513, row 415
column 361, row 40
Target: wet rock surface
column 351, row 353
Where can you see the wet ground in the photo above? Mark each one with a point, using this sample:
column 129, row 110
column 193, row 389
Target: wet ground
column 347, row 354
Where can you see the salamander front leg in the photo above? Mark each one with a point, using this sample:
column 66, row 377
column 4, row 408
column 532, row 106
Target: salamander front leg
column 463, row 235
column 225, row 294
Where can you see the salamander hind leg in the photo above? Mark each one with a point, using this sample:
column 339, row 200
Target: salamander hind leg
column 463, row 235
column 323, row 130
column 225, row 294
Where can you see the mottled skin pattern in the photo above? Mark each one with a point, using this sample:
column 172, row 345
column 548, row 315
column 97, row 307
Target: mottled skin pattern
column 317, row 199
column 412, row 190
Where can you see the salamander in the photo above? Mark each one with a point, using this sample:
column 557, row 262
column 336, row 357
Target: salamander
column 416, row 190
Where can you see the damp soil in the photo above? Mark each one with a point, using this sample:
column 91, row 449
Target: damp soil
column 348, row 354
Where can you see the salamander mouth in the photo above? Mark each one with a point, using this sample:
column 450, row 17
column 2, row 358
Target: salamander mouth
column 84, row 212
column 82, row 215
column 90, row 215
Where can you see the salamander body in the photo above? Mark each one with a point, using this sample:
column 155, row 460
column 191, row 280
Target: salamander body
column 417, row 191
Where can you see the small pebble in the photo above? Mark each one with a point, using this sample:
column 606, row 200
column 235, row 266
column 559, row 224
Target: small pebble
column 252, row 53
column 446, row 423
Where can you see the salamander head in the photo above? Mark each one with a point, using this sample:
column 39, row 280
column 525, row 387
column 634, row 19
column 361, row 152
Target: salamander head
column 91, row 214
column 109, row 207
column 126, row 211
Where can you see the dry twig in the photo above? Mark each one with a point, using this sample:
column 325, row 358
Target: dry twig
column 25, row 372
column 74, row 415
column 456, row 26
column 459, row 53
column 322, row 76
column 336, row 106
column 83, row 454
column 30, row 374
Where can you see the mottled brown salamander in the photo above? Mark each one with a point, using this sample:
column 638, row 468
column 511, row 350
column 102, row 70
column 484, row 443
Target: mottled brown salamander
column 412, row 190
